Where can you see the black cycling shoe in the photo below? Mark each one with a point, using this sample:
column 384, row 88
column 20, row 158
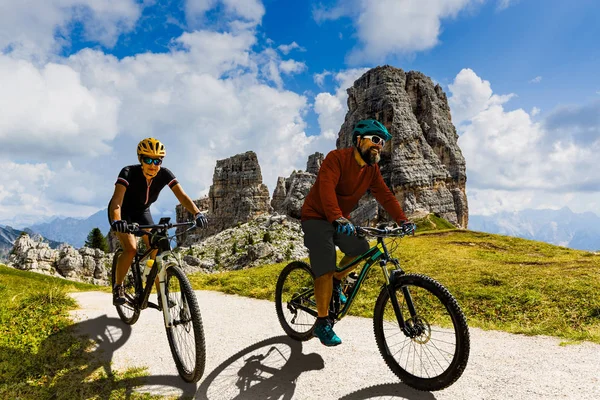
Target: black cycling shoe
column 119, row 295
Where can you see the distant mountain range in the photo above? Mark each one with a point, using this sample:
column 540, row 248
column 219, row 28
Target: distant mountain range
column 73, row 231
column 8, row 235
column 560, row 227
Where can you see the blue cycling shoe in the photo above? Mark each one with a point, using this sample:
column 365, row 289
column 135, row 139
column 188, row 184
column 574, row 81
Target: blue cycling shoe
column 325, row 333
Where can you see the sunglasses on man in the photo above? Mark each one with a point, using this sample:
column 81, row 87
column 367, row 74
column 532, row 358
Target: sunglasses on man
column 149, row 160
column 375, row 139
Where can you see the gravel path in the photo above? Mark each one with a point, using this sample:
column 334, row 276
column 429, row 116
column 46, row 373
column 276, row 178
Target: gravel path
column 501, row 365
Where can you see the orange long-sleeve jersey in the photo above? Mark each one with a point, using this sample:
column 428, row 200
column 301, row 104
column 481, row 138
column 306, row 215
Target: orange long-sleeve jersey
column 341, row 183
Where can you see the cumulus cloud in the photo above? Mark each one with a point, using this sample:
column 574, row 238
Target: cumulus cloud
column 286, row 48
column 508, row 154
column 535, row 111
column 48, row 112
column 292, row 67
column 35, row 29
column 377, row 23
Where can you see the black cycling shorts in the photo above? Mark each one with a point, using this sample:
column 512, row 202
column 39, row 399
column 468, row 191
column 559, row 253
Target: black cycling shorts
column 321, row 238
column 143, row 217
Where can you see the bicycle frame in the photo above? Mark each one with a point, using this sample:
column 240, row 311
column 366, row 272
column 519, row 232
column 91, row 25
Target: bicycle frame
column 157, row 269
column 370, row 257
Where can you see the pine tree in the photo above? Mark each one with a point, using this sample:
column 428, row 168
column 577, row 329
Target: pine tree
column 96, row 240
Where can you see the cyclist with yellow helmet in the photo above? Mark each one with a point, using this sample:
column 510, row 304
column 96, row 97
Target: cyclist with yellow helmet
column 136, row 188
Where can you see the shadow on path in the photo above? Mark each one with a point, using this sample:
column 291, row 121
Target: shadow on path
column 389, row 391
column 76, row 367
column 267, row 370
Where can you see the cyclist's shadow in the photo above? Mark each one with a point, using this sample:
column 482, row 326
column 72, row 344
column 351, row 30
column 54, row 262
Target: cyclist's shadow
column 266, row 370
column 107, row 336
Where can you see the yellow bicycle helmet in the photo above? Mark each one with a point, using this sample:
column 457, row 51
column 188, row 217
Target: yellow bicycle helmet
column 151, row 147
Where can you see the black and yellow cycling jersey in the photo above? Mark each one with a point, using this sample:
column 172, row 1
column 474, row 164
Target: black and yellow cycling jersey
column 140, row 194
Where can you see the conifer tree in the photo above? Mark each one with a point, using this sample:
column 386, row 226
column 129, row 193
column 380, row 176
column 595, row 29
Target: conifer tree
column 96, row 240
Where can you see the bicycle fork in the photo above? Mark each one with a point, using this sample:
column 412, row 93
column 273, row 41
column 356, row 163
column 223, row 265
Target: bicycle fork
column 410, row 330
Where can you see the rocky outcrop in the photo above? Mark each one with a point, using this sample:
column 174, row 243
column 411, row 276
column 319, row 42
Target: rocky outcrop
column 83, row 265
column 313, row 165
column 422, row 164
column 266, row 239
column 236, row 196
column 289, row 194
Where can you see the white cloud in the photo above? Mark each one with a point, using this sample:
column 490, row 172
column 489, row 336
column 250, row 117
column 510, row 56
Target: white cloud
column 504, row 4
column 238, row 14
column 509, row 156
column 292, row 67
column 30, row 28
column 537, row 79
column 377, row 24
column 471, row 95
column 320, row 78
column 535, row 111
column 286, row 48
column 48, row 113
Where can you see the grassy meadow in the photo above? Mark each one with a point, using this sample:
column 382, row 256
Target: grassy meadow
column 501, row 282
column 40, row 355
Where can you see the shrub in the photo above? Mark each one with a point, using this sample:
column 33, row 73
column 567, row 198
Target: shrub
column 96, row 240
column 234, row 248
column 267, row 237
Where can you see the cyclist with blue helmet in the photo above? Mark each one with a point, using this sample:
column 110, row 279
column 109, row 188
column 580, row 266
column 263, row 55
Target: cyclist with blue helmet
column 344, row 177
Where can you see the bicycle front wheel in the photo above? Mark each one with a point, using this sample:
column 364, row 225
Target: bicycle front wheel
column 128, row 312
column 186, row 335
column 431, row 353
column 295, row 300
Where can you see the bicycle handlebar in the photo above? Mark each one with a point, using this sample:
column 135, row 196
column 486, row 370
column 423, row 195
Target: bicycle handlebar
column 137, row 229
column 400, row 231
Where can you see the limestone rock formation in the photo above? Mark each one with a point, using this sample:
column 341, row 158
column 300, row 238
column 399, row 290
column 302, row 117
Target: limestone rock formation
column 236, row 196
column 263, row 240
column 83, row 265
column 422, row 164
column 314, row 163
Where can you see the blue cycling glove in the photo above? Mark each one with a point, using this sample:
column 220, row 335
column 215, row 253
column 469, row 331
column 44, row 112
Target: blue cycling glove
column 344, row 226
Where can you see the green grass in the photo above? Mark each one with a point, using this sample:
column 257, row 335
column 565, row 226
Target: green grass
column 502, row 283
column 40, row 355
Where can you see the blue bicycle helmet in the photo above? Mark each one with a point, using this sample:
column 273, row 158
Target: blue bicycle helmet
column 370, row 127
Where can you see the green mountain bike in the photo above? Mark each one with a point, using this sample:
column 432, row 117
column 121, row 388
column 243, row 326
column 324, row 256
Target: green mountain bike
column 182, row 319
column 419, row 327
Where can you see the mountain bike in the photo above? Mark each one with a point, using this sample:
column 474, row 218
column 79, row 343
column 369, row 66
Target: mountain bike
column 420, row 329
column 176, row 298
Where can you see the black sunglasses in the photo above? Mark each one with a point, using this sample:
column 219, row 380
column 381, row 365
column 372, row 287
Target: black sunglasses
column 149, row 160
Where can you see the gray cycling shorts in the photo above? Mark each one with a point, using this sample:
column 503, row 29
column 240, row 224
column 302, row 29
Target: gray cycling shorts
column 320, row 238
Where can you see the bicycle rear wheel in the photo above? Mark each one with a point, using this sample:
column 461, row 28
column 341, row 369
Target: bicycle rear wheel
column 128, row 312
column 186, row 336
column 433, row 354
column 295, row 300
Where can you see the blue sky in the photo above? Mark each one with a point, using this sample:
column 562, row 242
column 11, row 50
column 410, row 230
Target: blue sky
column 84, row 81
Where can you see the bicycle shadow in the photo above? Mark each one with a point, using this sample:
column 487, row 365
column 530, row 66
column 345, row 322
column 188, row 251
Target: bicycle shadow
column 265, row 370
column 388, row 391
column 77, row 362
column 109, row 334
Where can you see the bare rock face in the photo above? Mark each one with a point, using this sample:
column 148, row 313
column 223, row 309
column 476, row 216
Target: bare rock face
column 313, row 165
column 289, row 195
column 295, row 188
column 422, row 164
column 83, row 265
column 236, row 196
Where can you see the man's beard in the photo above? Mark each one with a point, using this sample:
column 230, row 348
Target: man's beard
column 370, row 157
